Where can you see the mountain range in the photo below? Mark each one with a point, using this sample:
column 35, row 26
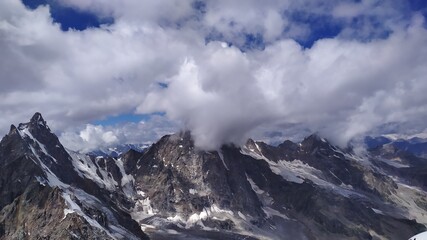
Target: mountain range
column 117, row 150
column 414, row 145
column 172, row 190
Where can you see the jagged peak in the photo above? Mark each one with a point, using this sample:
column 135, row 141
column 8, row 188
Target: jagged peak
column 12, row 129
column 253, row 145
column 288, row 144
column 313, row 136
column 38, row 119
column 250, row 141
column 314, row 140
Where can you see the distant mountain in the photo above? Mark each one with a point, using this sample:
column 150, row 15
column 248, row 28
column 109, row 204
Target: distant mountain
column 171, row 190
column 116, row 151
column 414, row 145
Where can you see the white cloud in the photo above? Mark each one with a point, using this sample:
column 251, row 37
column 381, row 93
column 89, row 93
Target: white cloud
column 93, row 137
column 75, row 77
column 341, row 86
column 90, row 138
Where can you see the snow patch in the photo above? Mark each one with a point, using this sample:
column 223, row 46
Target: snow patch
column 266, row 201
column 51, row 178
column 221, row 156
column 394, row 163
column 280, row 168
column 140, row 193
column 213, row 212
column 127, row 179
column 144, row 227
column 241, row 215
column 142, row 209
column 26, row 133
column 420, row 236
column 73, row 206
column 86, row 168
column 41, row 181
column 297, row 171
column 176, row 218
column 66, row 212
column 377, row 211
column 270, row 212
column 408, row 196
column 263, row 196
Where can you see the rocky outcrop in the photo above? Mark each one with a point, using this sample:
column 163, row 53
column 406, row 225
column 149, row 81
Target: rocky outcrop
column 39, row 214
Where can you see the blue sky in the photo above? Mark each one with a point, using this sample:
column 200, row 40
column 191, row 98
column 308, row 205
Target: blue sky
column 226, row 70
column 321, row 25
column 69, row 17
column 125, row 118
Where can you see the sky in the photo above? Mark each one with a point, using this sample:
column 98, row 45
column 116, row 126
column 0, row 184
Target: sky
column 111, row 72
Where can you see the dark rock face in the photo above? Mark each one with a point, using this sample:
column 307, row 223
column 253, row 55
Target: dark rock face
column 17, row 172
column 311, row 190
column 39, row 214
column 402, row 164
column 130, row 159
column 307, row 190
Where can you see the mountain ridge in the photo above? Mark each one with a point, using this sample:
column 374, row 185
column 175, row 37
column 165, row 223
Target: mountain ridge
column 172, row 190
column 51, row 167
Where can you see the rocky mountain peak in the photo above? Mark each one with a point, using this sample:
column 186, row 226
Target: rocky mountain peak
column 314, row 141
column 37, row 132
column 12, row 129
column 288, row 144
column 251, row 145
column 35, row 124
column 38, row 119
column 87, row 191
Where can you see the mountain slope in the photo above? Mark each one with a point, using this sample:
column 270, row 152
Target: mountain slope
column 307, row 190
column 413, row 144
column 38, row 177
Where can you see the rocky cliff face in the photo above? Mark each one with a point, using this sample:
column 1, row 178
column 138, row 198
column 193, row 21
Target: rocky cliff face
column 311, row 190
column 307, row 190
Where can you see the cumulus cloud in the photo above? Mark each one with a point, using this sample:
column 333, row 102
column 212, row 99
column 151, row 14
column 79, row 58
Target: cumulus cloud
column 341, row 88
column 219, row 86
column 92, row 137
column 74, row 77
